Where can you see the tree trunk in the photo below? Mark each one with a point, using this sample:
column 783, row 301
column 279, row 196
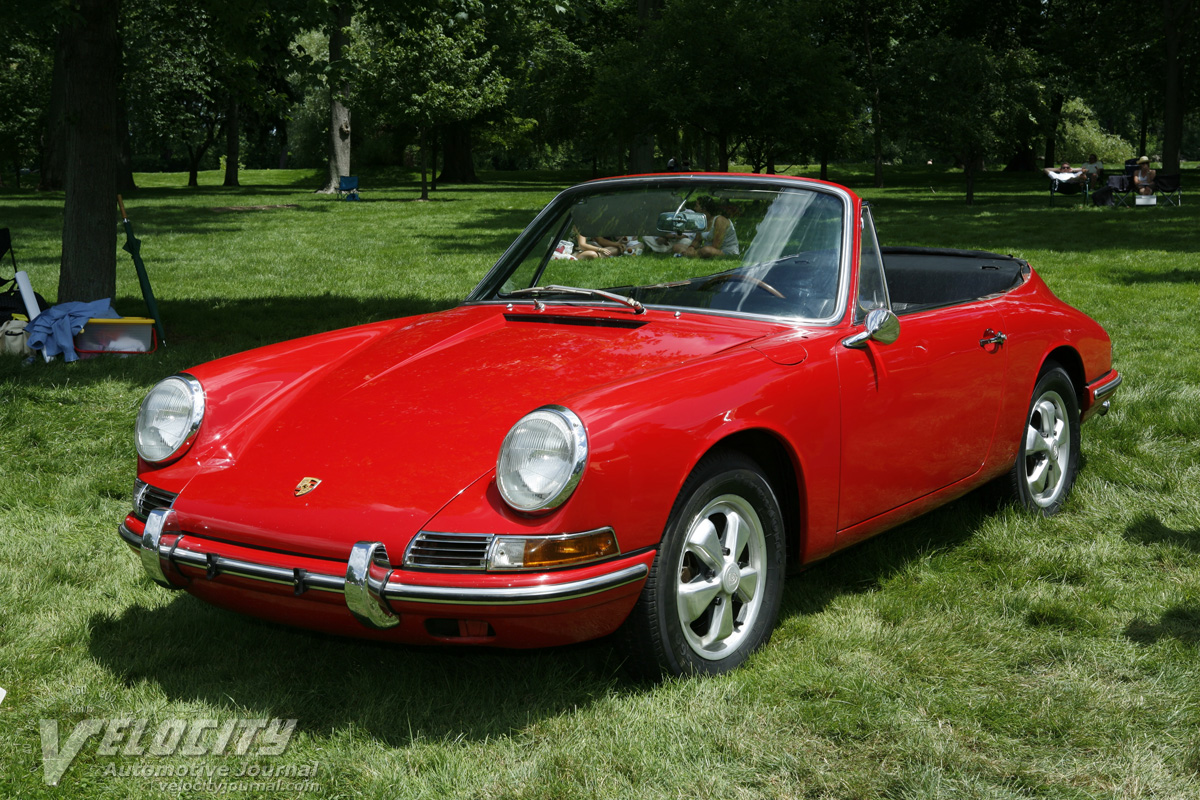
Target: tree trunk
column 423, row 140
column 973, row 166
column 1051, row 157
column 876, row 112
column 339, row 94
column 824, row 167
column 232, row 143
column 1023, row 160
column 194, row 166
column 283, row 145
column 54, row 140
column 723, row 151
column 89, row 250
column 196, row 153
column 457, row 164
column 1145, row 126
column 641, row 155
column 1176, row 13
column 125, row 181
column 433, row 155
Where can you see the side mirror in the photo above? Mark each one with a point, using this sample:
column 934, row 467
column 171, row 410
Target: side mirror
column 682, row 221
column 883, row 326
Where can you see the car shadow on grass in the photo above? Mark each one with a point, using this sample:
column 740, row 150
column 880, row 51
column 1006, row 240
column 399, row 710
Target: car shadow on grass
column 399, row 694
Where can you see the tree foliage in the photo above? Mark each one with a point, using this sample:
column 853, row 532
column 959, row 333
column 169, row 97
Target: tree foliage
column 611, row 82
column 25, row 69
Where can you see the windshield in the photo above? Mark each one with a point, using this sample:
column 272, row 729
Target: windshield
column 724, row 247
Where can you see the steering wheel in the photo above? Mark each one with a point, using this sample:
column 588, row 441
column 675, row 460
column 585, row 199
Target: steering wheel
column 737, row 276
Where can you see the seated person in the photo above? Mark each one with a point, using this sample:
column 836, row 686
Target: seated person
column 1066, row 174
column 599, row 247
column 1143, row 179
column 666, row 242
column 718, row 239
column 1093, row 169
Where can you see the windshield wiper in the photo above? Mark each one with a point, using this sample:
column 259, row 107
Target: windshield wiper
column 534, row 291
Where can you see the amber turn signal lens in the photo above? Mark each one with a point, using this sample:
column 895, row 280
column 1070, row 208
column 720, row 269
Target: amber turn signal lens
column 541, row 552
column 562, row 551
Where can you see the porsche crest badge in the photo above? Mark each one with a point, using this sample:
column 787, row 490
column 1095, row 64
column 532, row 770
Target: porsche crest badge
column 307, row 485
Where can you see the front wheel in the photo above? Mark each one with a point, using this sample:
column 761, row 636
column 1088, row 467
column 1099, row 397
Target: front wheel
column 1048, row 459
column 714, row 589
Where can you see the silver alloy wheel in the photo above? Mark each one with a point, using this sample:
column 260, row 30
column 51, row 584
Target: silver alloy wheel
column 720, row 576
column 1047, row 449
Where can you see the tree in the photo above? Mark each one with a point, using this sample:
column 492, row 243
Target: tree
column 25, row 70
column 963, row 96
column 264, row 94
column 1181, row 29
column 177, row 98
column 516, row 35
column 54, row 140
column 875, row 29
column 666, row 80
column 808, row 109
column 422, row 77
column 89, row 269
column 338, row 77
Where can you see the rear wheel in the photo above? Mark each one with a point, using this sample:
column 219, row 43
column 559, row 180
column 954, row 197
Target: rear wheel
column 1048, row 459
column 714, row 589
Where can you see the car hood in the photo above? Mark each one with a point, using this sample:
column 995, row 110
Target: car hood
column 411, row 416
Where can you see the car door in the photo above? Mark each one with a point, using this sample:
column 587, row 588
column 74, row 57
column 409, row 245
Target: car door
column 918, row 414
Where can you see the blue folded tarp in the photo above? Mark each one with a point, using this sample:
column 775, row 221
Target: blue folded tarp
column 53, row 332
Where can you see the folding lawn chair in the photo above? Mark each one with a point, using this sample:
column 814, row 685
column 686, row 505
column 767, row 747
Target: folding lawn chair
column 6, row 247
column 1122, row 187
column 1166, row 186
column 1067, row 188
column 348, row 187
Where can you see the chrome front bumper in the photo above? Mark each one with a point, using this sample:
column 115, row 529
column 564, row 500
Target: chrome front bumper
column 369, row 584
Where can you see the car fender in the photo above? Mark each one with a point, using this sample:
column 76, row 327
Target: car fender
column 647, row 435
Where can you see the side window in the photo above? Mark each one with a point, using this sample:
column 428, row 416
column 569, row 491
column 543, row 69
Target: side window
column 872, row 285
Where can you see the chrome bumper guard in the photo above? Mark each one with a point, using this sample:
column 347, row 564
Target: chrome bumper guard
column 1105, row 389
column 369, row 583
column 1101, row 391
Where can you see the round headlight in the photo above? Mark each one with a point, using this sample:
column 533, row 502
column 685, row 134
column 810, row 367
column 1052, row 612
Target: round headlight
column 542, row 459
column 169, row 418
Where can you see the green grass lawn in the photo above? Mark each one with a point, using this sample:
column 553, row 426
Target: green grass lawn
column 973, row 653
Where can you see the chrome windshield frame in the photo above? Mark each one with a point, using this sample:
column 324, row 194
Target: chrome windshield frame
column 541, row 224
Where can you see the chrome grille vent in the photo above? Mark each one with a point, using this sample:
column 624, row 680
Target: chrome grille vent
column 146, row 498
column 449, row 550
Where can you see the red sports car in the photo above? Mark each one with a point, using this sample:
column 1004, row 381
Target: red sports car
column 667, row 391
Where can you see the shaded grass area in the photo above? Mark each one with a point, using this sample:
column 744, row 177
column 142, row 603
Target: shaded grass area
column 973, row 653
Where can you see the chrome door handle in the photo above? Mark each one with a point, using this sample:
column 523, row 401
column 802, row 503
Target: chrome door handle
column 991, row 337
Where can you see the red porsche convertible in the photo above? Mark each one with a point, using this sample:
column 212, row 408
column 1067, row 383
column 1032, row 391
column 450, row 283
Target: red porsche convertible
column 668, row 390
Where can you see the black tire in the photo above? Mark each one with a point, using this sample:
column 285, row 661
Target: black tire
column 1042, row 477
column 732, row 599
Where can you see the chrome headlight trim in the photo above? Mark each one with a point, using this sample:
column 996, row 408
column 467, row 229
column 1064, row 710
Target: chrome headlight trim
column 191, row 428
column 574, row 434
